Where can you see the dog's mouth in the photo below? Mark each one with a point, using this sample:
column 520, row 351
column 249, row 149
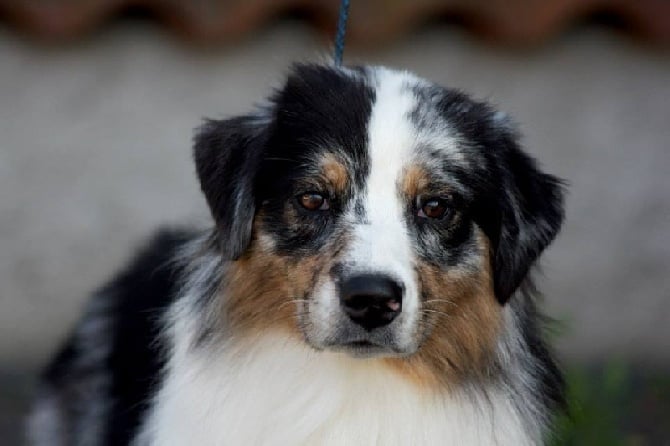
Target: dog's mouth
column 361, row 344
column 364, row 348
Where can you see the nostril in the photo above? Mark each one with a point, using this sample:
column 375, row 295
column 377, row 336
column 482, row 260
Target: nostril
column 371, row 300
column 393, row 305
column 364, row 302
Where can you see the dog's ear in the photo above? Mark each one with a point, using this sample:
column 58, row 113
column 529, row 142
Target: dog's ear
column 227, row 157
column 531, row 213
column 520, row 208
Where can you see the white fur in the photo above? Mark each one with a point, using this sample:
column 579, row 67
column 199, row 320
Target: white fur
column 274, row 390
column 382, row 243
column 46, row 423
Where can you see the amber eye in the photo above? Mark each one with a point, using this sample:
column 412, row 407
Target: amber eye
column 313, row 201
column 433, row 208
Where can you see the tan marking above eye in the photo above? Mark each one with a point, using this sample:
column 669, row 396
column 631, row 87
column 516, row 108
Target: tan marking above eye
column 334, row 172
column 414, row 180
column 314, row 201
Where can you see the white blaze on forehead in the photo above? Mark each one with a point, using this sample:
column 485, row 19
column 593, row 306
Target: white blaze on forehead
column 381, row 241
column 391, row 140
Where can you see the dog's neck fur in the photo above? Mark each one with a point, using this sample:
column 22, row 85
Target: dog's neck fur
column 274, row 389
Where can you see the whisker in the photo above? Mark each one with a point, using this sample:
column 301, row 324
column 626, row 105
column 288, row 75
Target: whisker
column 451, row 302
column 291, row 301
column 285, row 317
column 427, row 310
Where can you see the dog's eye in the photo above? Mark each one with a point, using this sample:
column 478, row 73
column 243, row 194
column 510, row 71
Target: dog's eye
column 314, row 201
column 433, row 207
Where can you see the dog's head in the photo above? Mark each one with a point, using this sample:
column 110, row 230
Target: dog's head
column 375, row 213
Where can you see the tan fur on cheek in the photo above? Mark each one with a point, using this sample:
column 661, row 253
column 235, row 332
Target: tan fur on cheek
column 266, row 291
column 256, row 292
column 462, row 320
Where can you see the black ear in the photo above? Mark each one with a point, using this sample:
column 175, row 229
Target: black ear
column 531, row 215
column 227, row 157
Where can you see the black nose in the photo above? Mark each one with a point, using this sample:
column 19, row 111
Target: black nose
column 371, row 300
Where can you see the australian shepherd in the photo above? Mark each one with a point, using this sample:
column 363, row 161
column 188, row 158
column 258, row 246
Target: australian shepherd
column 365, row 282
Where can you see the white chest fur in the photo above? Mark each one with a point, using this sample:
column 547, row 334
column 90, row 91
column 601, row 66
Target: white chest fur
column 277, row 391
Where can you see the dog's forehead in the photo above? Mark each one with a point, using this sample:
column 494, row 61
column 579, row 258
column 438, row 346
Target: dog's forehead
column 407, row 121
column 393, row 118
column 377, row 133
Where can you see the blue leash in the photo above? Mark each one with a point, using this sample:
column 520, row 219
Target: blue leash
column 341, row 31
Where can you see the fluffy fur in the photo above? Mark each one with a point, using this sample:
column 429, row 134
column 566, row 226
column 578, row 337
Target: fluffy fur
column 244, row 334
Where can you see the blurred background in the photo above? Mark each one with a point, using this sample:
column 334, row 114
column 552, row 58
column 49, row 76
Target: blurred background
column 98, row 100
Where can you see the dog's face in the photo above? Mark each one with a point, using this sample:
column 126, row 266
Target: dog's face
column 375, row 213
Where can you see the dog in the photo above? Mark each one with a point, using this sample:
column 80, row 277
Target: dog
column 366, row 282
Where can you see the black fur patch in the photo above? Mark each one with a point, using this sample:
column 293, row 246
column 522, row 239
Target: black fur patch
column 129, row 360
column 319, row 111
column 227, row 157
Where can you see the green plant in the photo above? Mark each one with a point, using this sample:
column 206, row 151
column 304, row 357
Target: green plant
column 598, row 401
